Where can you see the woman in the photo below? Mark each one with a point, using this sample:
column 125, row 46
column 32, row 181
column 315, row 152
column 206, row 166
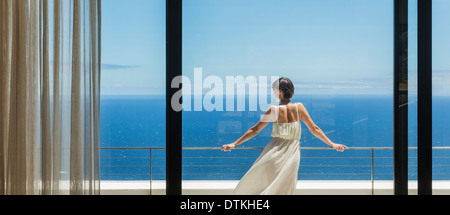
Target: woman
column 275, row 171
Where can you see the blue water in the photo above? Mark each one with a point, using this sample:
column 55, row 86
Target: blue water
column 356, row 121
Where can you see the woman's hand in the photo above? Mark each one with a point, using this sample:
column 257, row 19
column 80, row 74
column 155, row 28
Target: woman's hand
column 339, row 147
column 228, row 147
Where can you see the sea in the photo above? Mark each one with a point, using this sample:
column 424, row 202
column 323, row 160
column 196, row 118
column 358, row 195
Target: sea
column 133, row 131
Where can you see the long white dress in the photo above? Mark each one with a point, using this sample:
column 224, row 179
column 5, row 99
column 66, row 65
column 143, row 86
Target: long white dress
column 275, row 171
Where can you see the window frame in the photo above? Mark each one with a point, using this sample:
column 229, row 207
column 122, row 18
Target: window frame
column 174, row 118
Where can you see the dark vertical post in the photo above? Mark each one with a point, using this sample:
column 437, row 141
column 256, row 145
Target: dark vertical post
column 424, row 97
column 173, row 118
column 401, row 97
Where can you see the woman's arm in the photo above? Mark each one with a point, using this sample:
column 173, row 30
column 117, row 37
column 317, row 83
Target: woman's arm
column 253, row 131
column 314, row 129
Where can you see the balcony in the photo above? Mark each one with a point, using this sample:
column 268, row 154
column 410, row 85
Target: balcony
column 359, row 171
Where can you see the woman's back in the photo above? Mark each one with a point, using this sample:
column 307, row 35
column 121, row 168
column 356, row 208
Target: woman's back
column 286, row 113
column 287, row 123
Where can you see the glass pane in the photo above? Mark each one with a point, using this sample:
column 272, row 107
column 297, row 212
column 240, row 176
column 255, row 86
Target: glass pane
column 412, row 97
column 441, row 93
column 133, row 94
column 339, row 56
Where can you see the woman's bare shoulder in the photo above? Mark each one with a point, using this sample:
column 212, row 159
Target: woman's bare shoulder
column 299, row 103
column 270, row 108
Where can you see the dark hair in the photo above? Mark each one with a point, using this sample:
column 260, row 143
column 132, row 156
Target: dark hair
column 285, row 85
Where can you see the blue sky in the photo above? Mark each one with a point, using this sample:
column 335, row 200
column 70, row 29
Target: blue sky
column 324, row 46
column 133, row 47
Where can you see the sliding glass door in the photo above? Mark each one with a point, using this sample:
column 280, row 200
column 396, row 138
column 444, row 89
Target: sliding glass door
column 338, row 54
column 133, row 96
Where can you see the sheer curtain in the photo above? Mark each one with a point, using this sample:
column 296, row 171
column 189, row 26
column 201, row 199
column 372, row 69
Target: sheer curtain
column 49, row 96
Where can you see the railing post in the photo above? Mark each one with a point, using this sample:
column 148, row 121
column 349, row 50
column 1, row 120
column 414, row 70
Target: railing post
column 372, row 173
column 151, row 171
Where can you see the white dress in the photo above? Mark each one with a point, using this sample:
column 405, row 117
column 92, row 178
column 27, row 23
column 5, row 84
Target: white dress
column 275, row 171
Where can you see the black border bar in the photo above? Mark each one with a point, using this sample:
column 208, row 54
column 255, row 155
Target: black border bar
column 424, row 98
column 173, row 118
column 400, row 97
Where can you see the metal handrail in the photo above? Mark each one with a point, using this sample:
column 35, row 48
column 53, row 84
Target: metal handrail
column 261, row 148
column 207, row 148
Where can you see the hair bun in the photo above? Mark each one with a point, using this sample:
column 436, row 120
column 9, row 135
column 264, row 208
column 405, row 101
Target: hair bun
column 285, row 85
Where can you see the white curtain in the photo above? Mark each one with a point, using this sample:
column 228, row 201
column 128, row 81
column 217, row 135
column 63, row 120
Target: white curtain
column 49, row 97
